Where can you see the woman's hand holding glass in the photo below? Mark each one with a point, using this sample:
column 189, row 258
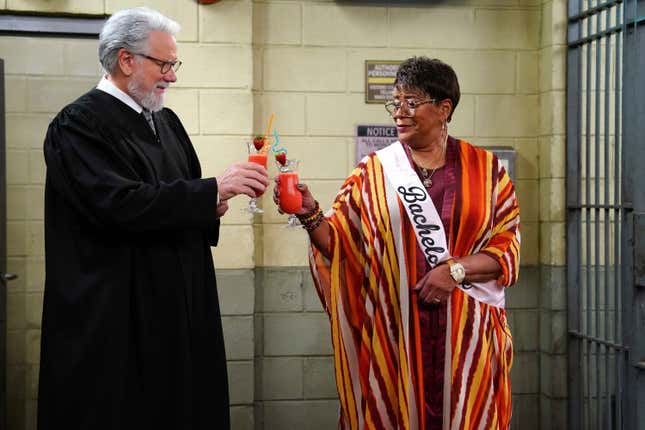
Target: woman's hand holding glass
column 289, row 196
column 308, row 201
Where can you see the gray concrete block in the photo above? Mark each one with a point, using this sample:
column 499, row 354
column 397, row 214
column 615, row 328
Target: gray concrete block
column 258, row 370
column 546, row 374
column 282, row 290
column 242, row 418
column 559, row 376
column 258, row 327
column 525, row 294
column 298, row 415
column 297, row 334
column 560, row 333
column 259, row 287
column 238, row 337
column 526, row 413
column 312, row 300
column 545, row 410
column 545, row 332
column 525, row 376
column 553, row 332
column 524, row 328
column 553, row 414
column 258, row 415
column 319, row 378
column 241, row 382
column 282, row 378
column 236, row 289
column 553, row 289
column 553, row 375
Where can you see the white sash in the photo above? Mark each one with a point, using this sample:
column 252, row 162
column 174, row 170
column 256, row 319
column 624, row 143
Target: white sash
column 428, row 228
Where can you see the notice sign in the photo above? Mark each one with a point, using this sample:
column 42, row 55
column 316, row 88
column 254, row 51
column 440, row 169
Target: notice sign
column 379, row 80
column 370, row 138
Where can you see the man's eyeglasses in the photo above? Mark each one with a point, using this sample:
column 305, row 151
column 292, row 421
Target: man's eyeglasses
column 410, row 105
column 165, row 65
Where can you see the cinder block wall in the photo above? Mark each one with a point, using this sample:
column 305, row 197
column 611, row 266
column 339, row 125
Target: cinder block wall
column 494, row 48
column 304, row 61
column 41, row 75
column 213, row 97
column 552, row 216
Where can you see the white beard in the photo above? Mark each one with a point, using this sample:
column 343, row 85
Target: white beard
column 148, row 99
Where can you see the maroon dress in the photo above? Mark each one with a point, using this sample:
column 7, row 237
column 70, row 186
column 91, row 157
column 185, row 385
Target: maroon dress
column 433, row 317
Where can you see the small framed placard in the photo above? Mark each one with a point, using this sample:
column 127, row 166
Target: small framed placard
column 370, row 138
column 379, row 80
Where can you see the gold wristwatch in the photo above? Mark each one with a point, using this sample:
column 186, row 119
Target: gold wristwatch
column 457, row 271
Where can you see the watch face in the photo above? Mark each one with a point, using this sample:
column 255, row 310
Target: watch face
column 457, row 272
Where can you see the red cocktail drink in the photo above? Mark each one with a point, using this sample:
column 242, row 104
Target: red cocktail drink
column 290, row 196
column 257, row 149
column 260, row 159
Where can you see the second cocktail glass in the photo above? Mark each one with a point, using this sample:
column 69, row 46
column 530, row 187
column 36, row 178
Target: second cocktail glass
column 290, row 195
column 259, row 157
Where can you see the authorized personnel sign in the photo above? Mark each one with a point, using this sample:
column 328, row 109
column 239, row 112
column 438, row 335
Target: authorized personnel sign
column 370, row 138
column 379, row 80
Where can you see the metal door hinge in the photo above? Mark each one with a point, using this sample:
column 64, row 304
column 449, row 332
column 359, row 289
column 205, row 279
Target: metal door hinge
column 8, row 276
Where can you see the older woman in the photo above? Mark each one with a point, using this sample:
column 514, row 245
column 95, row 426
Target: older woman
column 411, row 264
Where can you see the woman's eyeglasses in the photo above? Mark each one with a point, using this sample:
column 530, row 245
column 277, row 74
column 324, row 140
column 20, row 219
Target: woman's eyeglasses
column 410, row 105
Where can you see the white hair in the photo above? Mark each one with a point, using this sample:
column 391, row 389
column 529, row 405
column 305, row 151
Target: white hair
column 130, row 29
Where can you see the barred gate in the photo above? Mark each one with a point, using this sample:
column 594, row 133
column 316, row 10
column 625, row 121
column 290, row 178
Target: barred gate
column 605, row 214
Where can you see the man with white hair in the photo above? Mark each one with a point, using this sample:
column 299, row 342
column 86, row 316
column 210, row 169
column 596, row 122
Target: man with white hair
column 131, row 333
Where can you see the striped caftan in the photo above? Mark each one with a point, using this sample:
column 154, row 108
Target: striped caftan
column 366, row 289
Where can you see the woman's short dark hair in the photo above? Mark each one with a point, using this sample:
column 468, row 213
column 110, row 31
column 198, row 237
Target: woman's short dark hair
column 432, row 76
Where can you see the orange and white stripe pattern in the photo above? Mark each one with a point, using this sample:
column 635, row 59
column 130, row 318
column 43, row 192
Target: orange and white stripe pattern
column 365, row 288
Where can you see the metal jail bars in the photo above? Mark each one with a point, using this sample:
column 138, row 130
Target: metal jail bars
column 603, row 300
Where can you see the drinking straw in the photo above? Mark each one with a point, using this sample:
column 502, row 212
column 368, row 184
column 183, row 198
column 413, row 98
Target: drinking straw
column 275, row 147
column 266, row 134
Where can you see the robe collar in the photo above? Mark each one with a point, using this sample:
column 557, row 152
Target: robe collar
column 108, row 86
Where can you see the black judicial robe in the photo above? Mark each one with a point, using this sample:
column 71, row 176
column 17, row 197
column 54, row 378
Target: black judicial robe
column 131, row 331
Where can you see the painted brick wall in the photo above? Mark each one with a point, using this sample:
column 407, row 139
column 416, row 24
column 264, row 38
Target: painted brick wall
column 304, row 61
column 494, row 48
column 553, row 315
column 215, row 103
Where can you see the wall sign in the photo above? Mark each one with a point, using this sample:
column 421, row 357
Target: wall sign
column 379, row 80
column 370, row 138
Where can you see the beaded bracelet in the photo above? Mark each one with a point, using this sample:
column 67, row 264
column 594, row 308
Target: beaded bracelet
column 311, row 219
column 314, row 223
column 308, row 217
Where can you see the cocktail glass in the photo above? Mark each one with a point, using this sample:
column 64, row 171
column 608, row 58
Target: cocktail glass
column 290, row 195
column 259, row 157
